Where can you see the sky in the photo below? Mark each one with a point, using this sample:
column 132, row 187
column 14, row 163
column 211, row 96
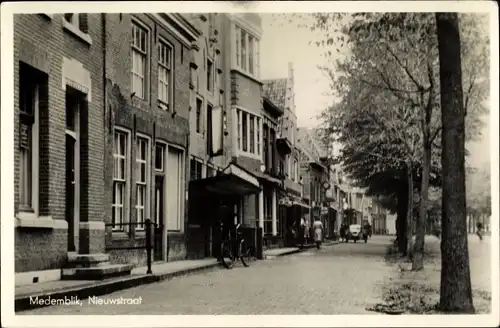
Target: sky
column 284, row 42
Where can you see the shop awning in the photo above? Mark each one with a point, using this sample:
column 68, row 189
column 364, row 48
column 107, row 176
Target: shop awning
column 232, row 181
column 301, row 204
column 267, row 178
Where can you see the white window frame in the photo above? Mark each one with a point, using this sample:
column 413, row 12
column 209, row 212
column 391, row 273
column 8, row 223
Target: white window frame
column 210, row 166
column 168, row 67
column 145, row 54
column 211, row 81
column 181, row 192
column 199, row 161
column 201, row 118
column 238, row 52
column 296, row 170
column 126, row 181
column 145, row 208
column 73, row 20
column 163, row 146
column 257, row 135
column 34, row 161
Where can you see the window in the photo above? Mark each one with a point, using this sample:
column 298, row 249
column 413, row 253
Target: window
column 160, row 157
column 199, row 106
column 257, row 129
column 140, row 44
column 209, row 128
column 142, row 177
column 28, row 140
column 247, row 52
column 295, row 170
column 248, row 132
column 210, row 76
column 164, row 74
column 210, row 172
column 244, row 131
column 250, row 55
column 266, row 146
column 243, row 61
column 196, row 168
column 120, row 151
column 79, row 21
column 268, row 212
column 252, row 134
column 272, row 143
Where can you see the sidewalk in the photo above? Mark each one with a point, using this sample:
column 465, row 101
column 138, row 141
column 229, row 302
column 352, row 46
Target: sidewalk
column 61, row 289
column 277, row 252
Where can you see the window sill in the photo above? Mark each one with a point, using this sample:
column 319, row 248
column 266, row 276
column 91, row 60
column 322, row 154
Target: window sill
column 31, row 220
column 246, row 74
column 119, row 235
column 163, row 105
column 76, row 32
column 47, row 16
column 249, row 155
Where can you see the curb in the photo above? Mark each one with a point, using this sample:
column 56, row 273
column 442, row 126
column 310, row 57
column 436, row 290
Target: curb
column 23, row 302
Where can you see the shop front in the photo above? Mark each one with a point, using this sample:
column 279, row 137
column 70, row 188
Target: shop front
column 215, row 206
column 292, row 209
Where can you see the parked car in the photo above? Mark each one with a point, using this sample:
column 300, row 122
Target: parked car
column 355, row 233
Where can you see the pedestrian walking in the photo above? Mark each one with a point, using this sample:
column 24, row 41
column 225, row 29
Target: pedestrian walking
column 302, row 231
column 479, row 231
column 318, row 232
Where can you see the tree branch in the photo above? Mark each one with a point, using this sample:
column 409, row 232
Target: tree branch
column 419, row 86
column 435, row 134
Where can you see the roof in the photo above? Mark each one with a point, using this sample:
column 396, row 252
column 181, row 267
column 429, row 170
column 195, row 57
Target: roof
column 275, row 90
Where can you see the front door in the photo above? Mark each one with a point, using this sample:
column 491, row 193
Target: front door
column 70, row 191
column 159, row 218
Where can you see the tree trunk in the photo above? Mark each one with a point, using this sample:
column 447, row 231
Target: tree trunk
column 456, row 291
column 402, row 220
column 418, row 249
column 409, row 210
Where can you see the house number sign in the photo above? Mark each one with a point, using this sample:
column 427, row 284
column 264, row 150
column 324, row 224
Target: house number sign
column 24, row 136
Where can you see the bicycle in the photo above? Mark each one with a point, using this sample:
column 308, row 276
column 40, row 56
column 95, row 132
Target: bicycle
column 235, row 249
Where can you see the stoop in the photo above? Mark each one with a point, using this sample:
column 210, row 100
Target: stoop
column 93, row 267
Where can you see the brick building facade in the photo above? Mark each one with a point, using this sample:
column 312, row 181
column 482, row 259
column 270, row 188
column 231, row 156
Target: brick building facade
column 58, row 97
column 147, row 133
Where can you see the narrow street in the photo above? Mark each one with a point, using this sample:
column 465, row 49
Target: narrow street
column 338, row 279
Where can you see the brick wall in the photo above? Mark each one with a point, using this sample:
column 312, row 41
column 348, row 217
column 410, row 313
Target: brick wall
column 143, row 116
column 42, row 43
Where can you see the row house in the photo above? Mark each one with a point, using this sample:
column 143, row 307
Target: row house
column 291, row 207
column 146, row 123
column 58, row 148
column 227, row 126
column 315, row 174
column 101, row 141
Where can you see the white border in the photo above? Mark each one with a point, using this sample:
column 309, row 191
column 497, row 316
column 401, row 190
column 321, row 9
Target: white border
column 9, row 319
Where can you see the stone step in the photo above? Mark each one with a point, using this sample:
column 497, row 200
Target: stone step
column 96, row 273
column 87, row 260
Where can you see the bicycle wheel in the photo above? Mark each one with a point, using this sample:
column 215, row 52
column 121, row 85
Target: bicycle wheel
column 226, row 254
column 247, row 255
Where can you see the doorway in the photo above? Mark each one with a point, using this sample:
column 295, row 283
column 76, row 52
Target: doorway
column 72, row 164
column 159, row 240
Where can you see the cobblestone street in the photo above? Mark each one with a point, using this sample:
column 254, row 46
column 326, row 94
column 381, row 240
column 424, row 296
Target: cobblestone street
column 338, row 279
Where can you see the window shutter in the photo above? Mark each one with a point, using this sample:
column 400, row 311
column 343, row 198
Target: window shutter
column 83, row 21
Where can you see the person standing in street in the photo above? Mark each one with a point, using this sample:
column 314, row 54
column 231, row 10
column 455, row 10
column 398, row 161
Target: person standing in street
column 318, row 232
